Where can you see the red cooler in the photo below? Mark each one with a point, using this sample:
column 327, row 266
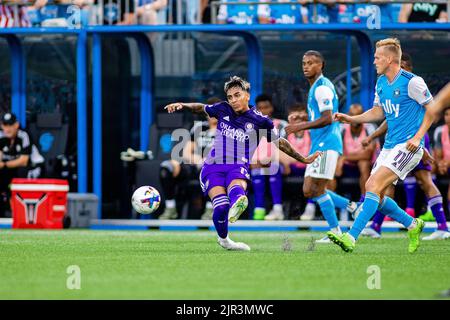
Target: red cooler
column 38, row 203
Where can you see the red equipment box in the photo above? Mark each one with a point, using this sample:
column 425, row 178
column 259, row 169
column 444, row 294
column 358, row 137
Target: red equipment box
column 38, row 203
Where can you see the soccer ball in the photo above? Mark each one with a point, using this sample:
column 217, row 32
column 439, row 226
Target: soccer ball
column 145, row 200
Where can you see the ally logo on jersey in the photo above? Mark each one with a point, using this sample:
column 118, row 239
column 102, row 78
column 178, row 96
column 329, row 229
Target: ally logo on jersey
column 390, row 107
column 402, row 101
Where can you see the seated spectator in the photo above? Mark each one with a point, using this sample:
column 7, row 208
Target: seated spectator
column 173, row 173
column 363, row 11
column 15, row 151
column 356, row 160
column 301, row 141
column 423, row 12
column 318, row 12
column 205, row 11
column 295, row 13
column 112, row 9
column 147, row 11
column 239, row 13
column 16, row 15
column 328, row 11
column 442, row 149
column 259, row 172
column 59, row 13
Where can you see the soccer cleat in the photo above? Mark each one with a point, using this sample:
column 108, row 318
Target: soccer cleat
column 371, row 232
column 413, row 235
column 169, row 213
column 237, row 209
column 229, row 244
column 427, row 216
column 207, row 214
column 438, row 235
column 275, row 215
column 324, row 240
column 259, row 214
column 342, row 241
column 310, row 212
column 354, row 208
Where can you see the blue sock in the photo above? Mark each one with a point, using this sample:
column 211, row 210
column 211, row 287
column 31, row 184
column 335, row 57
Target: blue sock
column 370, row 206
column 339, row 201
column 221, row 205
column 328, row 209
column 259, row 188
column 390, row 208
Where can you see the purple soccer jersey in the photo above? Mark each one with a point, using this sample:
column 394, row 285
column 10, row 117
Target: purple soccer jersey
column 236, row 140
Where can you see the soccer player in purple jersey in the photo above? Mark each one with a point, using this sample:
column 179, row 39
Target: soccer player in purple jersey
column 224, row 175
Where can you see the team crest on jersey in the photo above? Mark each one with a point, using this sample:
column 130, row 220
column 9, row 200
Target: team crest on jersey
column 396, row 92
column 248, row 126
column 326, row 102
column 259, row 113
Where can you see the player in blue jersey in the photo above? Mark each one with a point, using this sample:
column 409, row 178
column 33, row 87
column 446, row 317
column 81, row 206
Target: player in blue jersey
column 325, row 137
column 422, row 172
column 402, row 98
column 224, row 175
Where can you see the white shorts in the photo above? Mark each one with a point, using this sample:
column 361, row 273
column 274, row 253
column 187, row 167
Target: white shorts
column 324, row 166
column 399, row 160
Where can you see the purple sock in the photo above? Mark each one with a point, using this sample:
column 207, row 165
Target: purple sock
column 377, row 221
column 234, row 193
column 276, row 185
column 435, row 203
column 221, row 205
column 410, row 189
column 259, row 188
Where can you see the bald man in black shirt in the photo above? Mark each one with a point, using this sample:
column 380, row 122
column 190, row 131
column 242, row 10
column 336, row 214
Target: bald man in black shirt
column 15, row 150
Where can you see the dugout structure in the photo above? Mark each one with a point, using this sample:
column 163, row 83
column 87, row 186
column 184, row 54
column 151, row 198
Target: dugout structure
column 254, row 72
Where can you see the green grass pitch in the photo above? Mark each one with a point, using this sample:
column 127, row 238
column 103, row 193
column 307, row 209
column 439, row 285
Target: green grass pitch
column 190, row 265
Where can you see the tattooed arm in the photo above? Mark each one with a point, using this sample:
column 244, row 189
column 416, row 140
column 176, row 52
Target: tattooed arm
column 287, row 148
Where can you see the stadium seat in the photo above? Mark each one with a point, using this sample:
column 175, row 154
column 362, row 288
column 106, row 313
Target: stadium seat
column 161, row 143
column 50, row 134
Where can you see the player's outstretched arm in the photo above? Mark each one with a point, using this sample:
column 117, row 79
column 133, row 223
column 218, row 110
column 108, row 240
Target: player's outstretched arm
column 194, row 107
column 323, row 121
column 440, row 102
column 380, row 131
column 434, row 110
column 287, row 148
column 373, row 115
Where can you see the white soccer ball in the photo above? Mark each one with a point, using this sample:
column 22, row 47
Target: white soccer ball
column 145, row 200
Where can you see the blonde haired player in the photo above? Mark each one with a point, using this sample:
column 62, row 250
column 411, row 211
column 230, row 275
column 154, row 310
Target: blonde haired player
column 402, row 98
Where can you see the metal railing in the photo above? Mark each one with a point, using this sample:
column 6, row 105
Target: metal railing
column 187, row 11
column 215, row 5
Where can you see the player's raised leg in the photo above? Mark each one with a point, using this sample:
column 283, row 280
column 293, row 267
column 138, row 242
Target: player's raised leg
column 213, row 184
column 238, row 199
column 375, row 187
